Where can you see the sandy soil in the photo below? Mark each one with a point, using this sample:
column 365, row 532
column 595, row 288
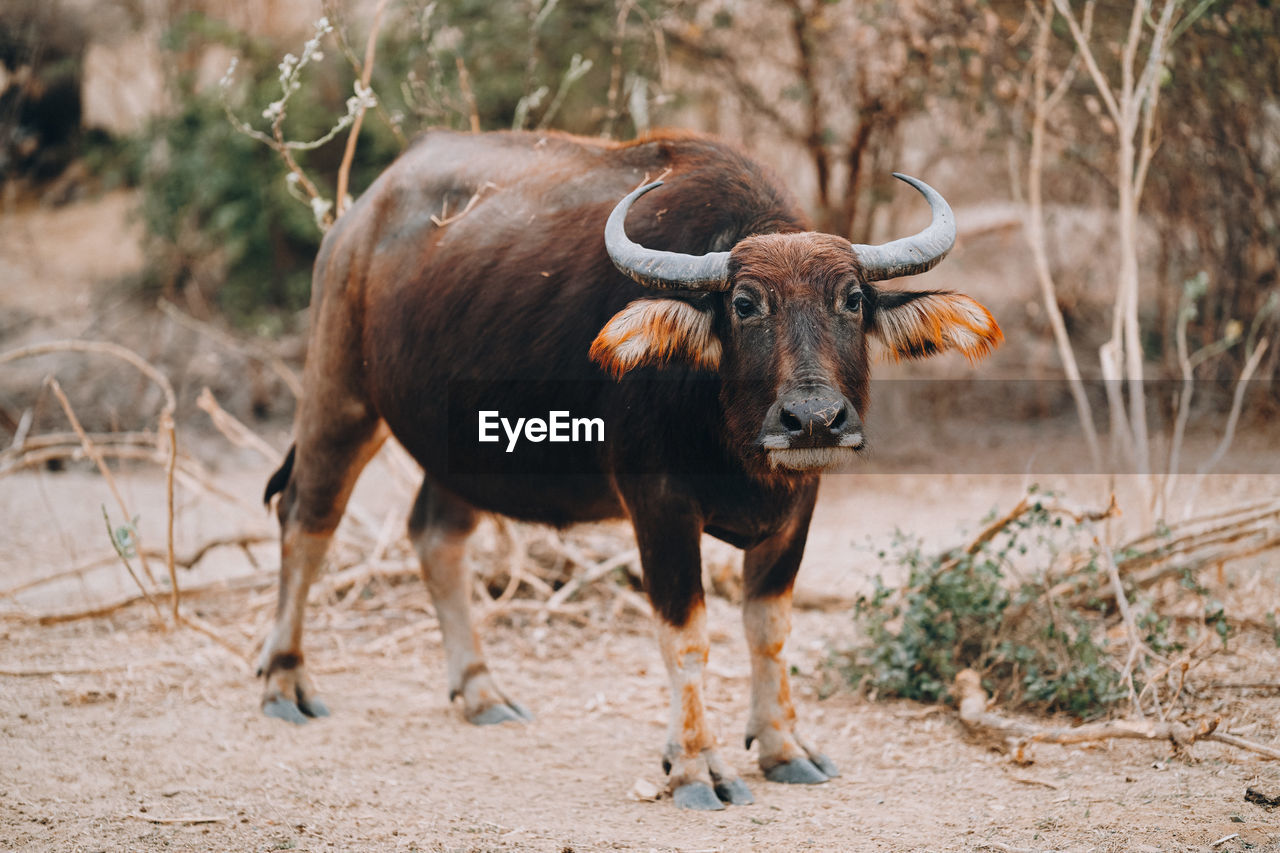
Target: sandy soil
column 92, row 758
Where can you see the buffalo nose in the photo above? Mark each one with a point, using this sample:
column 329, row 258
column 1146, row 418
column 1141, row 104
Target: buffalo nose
column 814, row 415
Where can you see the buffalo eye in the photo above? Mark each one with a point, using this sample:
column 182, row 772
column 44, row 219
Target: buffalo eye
column 853, row 302
column 745, row 306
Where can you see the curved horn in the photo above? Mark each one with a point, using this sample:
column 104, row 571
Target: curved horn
column 653, row 268
column 912, row 255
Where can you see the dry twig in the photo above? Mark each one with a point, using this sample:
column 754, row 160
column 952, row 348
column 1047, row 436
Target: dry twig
column 446, row 219
column 233, row 429
column 191, row 819
column 1017, row 735
column 366, row 75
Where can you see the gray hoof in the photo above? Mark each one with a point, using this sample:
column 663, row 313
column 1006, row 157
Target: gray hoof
column 734, row 792
column 283, row 709
column 697, row 796
column 313, row 707
column 825, row 765
column 797, row 771
column 494, row 714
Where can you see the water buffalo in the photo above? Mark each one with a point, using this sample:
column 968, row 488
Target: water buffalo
column 723, row 344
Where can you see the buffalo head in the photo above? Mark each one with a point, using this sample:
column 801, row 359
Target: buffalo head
column 785, row 319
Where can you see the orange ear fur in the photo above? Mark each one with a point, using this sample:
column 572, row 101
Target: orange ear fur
column 937, row 322
column 655, row 332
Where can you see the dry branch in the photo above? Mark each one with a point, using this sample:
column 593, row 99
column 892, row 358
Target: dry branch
column 1022, row 508
column 593, row 574
column 366, row 75
column 186, row 561
column 103, row 348
column 1043, row 104
column 233, row 429
column 1016, row 735
column 468, row 95
column 87, row 669
column 171, row 435
column 1182, row 549
column 257, row 353
column 166, row 447
column 1079, row 590
column 91, row 451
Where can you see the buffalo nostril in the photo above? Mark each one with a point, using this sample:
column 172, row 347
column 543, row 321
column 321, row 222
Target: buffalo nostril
column 840, row 419
column 790, row 422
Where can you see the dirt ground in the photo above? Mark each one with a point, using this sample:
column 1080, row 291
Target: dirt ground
column 116, row 734
column 148, row 731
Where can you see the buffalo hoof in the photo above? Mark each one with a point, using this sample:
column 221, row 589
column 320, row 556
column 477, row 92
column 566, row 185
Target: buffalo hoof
column 282, row 709
column 503, row 712
column 797, row 771
column 305, row 708
column 697, row 796
column 734, row 792
column 825, row 765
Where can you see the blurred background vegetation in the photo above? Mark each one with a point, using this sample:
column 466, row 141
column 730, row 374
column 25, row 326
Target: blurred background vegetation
column 833, row 95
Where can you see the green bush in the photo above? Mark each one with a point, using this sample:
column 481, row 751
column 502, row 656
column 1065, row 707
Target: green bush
column 216, row 205
column 959, row 611
column 218, row 198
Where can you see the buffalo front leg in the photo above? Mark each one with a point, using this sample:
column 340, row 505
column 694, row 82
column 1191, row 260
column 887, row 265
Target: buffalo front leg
column 769, row 572
column 784, row 756
column 697, row 776
column 439, row 526
column 317, row 479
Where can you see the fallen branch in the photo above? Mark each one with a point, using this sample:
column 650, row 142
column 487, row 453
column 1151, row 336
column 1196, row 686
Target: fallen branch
column 222, row 585
column 1252, row 511
column 1016, row 735
column 103, row 348
column 1241, row 743
column 1025, row 506
column 37, row 672
column 235, row 431
column 1079, row 591
column 595, row 573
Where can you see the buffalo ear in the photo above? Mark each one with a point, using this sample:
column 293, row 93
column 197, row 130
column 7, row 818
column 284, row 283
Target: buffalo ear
column 917, row 324
column 657, row 332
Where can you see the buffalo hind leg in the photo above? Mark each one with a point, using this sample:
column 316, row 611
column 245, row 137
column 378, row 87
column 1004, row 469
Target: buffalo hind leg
column 697, row 776
column 326, row 463
column 439, row 526
column 769, row 571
